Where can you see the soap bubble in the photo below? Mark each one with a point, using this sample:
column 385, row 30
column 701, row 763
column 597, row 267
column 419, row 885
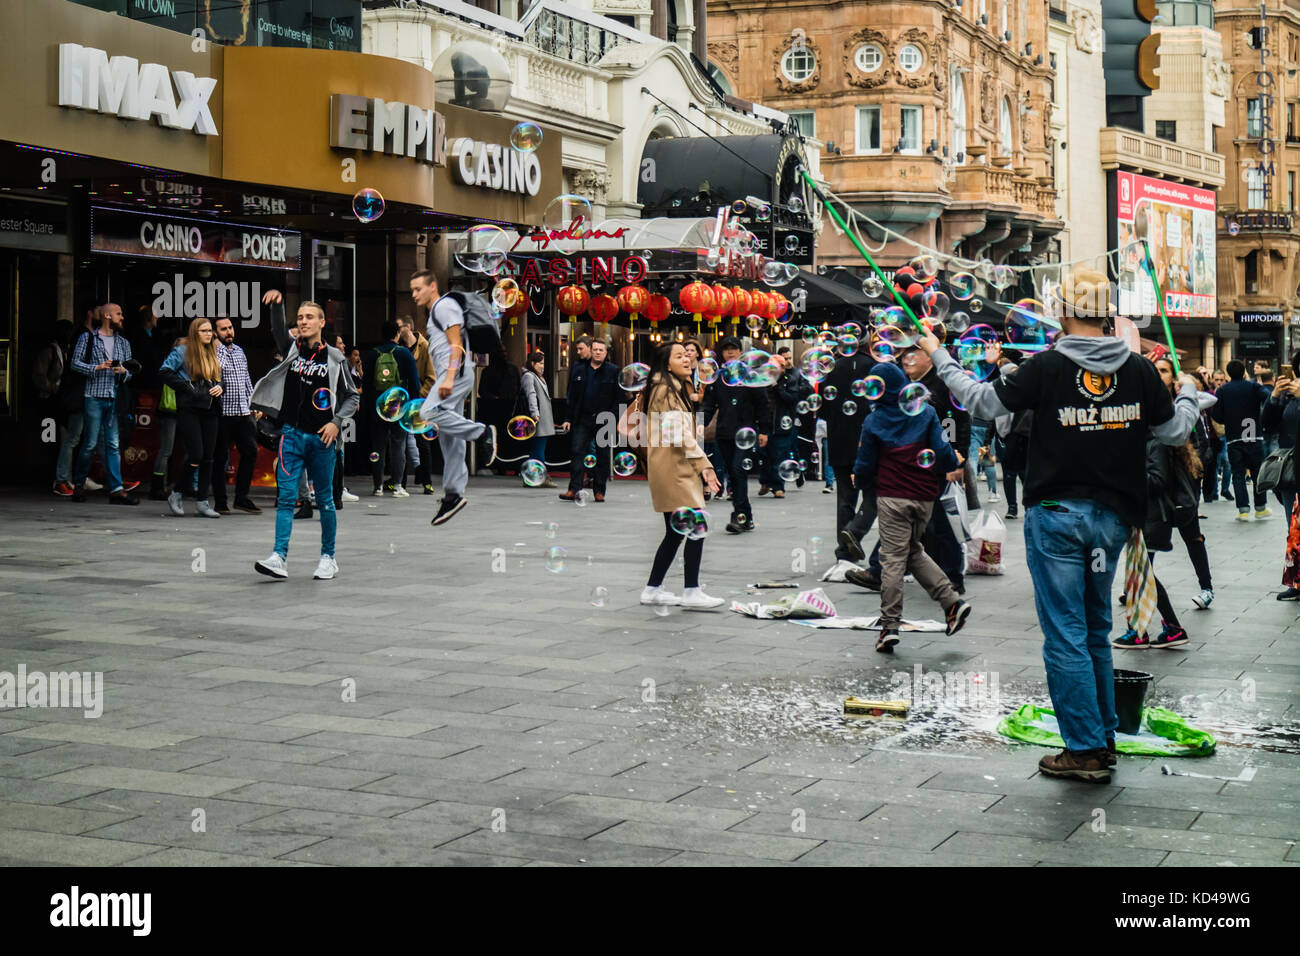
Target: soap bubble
column 533, row 472
column 389, row 405
column 625, row 464
column 412, row 419
column 755, row 323
column 599, row 596
column 322, row 399
column 521, row 428
column 374, row 456
column 961, row 286
column 552, row 528
column 788, row 470
column 633, row 378
column 809, row 335
column 848, row 344
column 505, row 294
column 482, row 248
column 683, row 520
column 525, row 137
column 859, row 388
column 958, row 322
column 701, row 529
column 746, row 438
column 1003, row 277
column 925, row 266
column 774, row 273
column 912, row 398
column 849, row 407
column 935, row 303
column 883, row 351
column 707, row 370
column 976, row 305
column 791, row 272
column 738, row 207
column 795, row 204
column 746, row 464
column 555, row 559
column 563, row 210
column 829, row 393
column 873, row 386
column 786, row 423
column 589, row 461
column 802, row 407
column 584, row 497
column 763, row 213
column 925, row 458
column 872, row 287
column 814, row 401
column 367, row 205
column 791, row 243
column 733, row 373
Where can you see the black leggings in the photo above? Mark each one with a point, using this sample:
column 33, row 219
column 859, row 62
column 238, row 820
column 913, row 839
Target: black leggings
column 198, row 434
column 668, row 550
column 1195, row 541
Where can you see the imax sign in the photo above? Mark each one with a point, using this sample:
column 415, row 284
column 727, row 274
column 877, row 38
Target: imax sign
column 123, row 87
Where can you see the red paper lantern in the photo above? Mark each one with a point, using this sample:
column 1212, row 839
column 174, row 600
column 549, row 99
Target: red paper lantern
column 742, row 302
column 573, row 300
column 659, row 308
column 758, row 303
column 520, row 307
column 633, row 300
column 602, row 308
column 723, row 300
column 777, row 305
column 696, row 298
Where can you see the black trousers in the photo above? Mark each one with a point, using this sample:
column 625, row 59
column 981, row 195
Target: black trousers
column 198, row 434
column 388, row 450
column 734, row 459
column 239, row 431
column 1243, row 457
column 850, row 515
column 583, row 434
column 668, row 550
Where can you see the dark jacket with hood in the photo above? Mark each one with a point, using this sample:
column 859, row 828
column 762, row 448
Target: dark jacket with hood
column 892, row 442
column 1094, row 404
column 737, row 407
column 1172, row 496
column 843, row 431
column 1241, row 401
column 787, row 392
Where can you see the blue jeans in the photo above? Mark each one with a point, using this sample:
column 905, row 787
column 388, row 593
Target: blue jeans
column 298, row 451
column 68, row 448
column 779, row 448
column 827, row 470
column 537, row 447
column 1222, row 467
column 1073, row 554
column 99, row 428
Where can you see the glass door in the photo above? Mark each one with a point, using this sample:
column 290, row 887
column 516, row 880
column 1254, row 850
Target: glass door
column 334, row 286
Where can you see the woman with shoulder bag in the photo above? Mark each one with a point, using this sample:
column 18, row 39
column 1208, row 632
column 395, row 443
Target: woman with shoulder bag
column 1173, row 493
column 538, row 397
column 194, row 372
column 675, row 463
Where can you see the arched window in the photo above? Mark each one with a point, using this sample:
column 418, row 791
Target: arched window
column 958, row 114
column 1004, row 133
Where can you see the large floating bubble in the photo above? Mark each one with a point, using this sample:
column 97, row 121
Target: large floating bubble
column 912, row 398
column 367, row 205
column 521, row 428
column 388, row 406
column 525, row 137
column 633, row 377
column 746, row 438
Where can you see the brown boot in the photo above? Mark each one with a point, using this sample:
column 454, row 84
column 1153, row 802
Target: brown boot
column 1086, row 765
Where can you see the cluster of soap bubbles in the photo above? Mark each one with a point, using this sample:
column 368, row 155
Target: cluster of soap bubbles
column 691, row 522
column 754, row 369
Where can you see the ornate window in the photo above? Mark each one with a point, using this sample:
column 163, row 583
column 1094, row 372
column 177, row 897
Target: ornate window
column 868, row 58
column 958, row 113
column 1004, row 128
column 910, row 58
column 798, row 64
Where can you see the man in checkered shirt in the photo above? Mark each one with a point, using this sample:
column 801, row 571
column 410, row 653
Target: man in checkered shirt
column 109, row 357
column 236, row 423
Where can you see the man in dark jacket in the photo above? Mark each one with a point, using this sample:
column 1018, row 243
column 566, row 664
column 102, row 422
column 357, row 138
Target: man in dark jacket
column 1238, row 411
column 787, row 392
column 852, row 520
column 388, row 439
column 737, row 407
column 592, row 401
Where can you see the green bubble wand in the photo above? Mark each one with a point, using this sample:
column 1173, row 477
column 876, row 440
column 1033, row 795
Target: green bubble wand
column 1148, row 264
column 865, row 255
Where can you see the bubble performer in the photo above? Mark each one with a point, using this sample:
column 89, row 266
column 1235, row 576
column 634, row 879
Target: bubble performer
column 307, row 433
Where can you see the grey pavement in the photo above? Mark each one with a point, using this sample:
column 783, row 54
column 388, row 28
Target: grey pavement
column 456, row 697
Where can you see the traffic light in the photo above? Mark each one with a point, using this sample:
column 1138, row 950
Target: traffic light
column 1130, row 59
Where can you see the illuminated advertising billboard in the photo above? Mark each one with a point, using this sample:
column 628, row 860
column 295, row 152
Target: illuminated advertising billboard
column 1180, row 229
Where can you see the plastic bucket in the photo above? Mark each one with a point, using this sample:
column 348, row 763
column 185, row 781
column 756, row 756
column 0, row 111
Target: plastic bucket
column 1130, row 691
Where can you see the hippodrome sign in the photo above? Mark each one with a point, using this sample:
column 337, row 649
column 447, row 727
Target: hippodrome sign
column 1265, row 81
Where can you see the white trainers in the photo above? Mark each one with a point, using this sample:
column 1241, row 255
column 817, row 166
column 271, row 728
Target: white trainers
column 694, row 599
column 377, row 493
column 659, row 596
column 176, row 503
column 326, row 569
column 92, row 485
column 400, row 492
column 1204, row 599
column 994, row 499
column 272, row 567
column 349, row 496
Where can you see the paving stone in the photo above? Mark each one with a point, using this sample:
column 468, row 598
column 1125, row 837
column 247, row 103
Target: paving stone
column 127, row 778
column 36, row 846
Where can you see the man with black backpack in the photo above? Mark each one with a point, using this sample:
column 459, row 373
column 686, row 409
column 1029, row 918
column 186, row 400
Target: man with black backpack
column 388, row 365
column 455, row 320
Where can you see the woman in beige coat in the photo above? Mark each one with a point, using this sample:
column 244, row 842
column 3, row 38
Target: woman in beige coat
column 675, row 463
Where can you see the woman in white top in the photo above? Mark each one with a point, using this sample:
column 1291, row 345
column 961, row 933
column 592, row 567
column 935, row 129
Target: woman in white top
column 539, row 407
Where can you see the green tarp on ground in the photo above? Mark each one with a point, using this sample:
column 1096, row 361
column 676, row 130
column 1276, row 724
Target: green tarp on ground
column 1163, row 733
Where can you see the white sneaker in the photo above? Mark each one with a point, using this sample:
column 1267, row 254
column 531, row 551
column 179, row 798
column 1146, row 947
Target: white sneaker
column 326, row 569
column 176, row 503
column 377, row 493
column 273, row 567
column 92, row 485
column 659, row 596
column 349, row 496
column 994, row 499
column 400, row 492
column 694, row 599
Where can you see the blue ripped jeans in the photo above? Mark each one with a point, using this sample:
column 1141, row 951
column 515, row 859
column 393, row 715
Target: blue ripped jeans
column 299, row 451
